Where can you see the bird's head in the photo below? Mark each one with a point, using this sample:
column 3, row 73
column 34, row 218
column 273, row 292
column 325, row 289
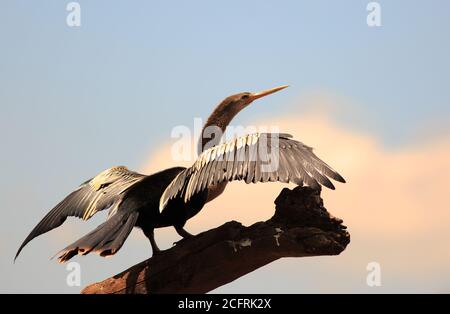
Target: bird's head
column 239, row 101
column 226, row 111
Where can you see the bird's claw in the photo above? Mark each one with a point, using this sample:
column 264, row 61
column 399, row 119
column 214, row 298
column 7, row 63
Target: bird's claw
column 181, row 241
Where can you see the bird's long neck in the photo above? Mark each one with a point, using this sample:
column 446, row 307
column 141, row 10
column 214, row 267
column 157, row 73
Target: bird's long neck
column 212, row 134
column 216, row 125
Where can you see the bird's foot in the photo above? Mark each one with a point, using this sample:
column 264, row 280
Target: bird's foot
column 183, row 240
column 156, row 253
column 183, row 233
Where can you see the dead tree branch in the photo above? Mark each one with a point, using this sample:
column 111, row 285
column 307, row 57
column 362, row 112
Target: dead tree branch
column 300, row 227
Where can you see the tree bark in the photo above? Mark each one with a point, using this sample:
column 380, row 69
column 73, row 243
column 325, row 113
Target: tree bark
column 300, row 227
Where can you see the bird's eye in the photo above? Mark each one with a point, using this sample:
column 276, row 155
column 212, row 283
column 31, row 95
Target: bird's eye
column 245, row 96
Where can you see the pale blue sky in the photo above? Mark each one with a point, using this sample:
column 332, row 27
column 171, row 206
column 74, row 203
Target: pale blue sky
column 74, row 101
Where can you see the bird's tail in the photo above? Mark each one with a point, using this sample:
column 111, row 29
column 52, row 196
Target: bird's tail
column 105, row 240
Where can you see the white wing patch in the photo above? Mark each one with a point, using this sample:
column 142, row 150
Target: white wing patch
column 119, row 175
column 241, row 159
column 108, row 176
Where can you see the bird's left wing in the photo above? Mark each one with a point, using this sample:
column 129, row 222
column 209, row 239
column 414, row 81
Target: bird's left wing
column 253, row 158
column 104, row 191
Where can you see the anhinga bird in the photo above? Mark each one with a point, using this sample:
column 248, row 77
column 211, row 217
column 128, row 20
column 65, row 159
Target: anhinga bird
column 172, row 196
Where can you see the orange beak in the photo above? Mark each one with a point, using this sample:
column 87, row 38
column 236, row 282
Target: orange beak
column 266, row 92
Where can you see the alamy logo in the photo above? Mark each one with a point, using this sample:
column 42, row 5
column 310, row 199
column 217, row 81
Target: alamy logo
column 374, row 16
column 73, row 279
column 185, row 147
column 74, row 17
column 374, row 276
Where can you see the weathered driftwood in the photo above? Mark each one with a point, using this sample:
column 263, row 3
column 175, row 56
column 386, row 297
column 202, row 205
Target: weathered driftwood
column 300, row 227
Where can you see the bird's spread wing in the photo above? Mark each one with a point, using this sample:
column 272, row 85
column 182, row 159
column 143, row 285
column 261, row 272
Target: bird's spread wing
column 105, row 191
column 252, row 158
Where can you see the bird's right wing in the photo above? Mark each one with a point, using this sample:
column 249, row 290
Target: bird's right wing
column 252, row 158
column 105, row 191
